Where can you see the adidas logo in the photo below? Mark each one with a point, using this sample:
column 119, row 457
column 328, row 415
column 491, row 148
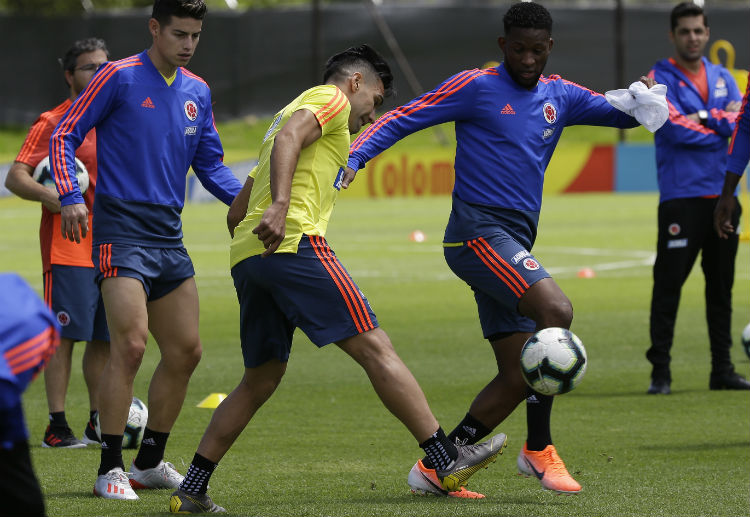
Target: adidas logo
column 149, row 441
column 470, row 430
column 148, row 103
column 508, row 110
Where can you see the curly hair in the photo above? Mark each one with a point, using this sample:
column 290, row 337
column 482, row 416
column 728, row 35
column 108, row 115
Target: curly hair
column 527, row 15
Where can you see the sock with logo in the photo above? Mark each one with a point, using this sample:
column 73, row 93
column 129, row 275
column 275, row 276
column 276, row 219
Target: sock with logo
column 538, row 413
column 111, row 453
column 198, row 474
column 58, row 420
column 469, row 431
column 439, row 451
column 152, row 449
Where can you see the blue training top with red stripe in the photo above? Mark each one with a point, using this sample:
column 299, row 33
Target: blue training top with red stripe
column 505, row 137
column 739, row 149
column 29, row 336
column 690, row 157
column 148, row 134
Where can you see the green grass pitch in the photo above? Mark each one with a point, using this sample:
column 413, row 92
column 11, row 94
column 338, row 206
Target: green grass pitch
column 324, row 444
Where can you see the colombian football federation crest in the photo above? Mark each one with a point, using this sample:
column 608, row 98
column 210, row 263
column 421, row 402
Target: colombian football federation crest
column 674, row 229
column 531, row 264
column 191, row 110
column 63, row 318
column 550, row 113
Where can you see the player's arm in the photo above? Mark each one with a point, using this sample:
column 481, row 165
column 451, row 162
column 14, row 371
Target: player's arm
column 92, row 105
column 20, row 182
column 451, row 100
column 723, row 121
column 587, row 107
column 238, row 208
column 208, row 164
column 725, row 206
column 301, row 130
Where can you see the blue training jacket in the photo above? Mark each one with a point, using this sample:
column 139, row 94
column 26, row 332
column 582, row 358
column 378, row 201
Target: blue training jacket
column 29, row 336
column 691, row 158
column 505, row 135
column 739, row 148
column 148, row 136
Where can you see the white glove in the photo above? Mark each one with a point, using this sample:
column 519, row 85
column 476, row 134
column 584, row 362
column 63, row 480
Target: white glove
column 647, row 105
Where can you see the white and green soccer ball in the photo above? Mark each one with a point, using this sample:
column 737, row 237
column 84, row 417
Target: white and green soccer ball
column 746, row 339
column 135, row 426
column 43, row 175
column 553, row 361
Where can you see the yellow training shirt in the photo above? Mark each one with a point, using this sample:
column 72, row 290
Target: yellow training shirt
column 316, row 181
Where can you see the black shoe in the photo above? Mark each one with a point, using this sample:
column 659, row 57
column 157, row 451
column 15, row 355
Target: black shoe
column 659, row 387
column 729, row 381
column 61, row 438
column 89, row 434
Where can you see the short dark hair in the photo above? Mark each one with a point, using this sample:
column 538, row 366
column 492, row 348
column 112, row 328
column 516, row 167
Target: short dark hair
column 165, row 9
column 364, row 56
column 527, row 15
column 79, row 47
column 686, row 9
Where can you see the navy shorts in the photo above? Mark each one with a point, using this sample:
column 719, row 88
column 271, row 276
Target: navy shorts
column 160, row 270
column 74, row 298
column 309, row 289
column 499, row 270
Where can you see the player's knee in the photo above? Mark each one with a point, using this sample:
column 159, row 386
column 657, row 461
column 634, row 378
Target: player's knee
column 559, row 313
column 129, row 355
column 188, row 358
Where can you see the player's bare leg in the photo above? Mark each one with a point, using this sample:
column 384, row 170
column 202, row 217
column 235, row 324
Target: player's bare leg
column 546, row 304
column 127, row 319
column 173, row 321
column 402, row 396
column 56, row 380
column 392, row 380
column 95, row 356
column 236, row 411
column 57, row 375
column 501, row 396
column 125, row 303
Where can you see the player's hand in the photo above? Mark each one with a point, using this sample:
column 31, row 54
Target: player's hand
column 648, row 81
column 272, row 227
column 349, row 175
column 52, row 204
column 733, row 106
column 75, row 222
column 723, row 217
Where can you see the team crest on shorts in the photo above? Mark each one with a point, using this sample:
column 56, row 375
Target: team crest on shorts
column 531, row 264
column 550, row 113
column 63, row 318
column 674, row 229
column 191, row 110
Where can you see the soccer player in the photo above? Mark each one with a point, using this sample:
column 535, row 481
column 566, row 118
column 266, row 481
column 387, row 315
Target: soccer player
column 691, row 157
column 69, row 288
column 287, row 276
column 153, row 121
column 508, row 121
column 739, row 154
column 29, row 336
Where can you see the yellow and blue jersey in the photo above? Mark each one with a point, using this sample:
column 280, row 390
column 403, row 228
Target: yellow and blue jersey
column 317, row 178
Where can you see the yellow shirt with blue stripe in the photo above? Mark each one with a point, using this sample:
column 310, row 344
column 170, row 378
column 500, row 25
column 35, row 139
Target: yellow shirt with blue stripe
column 316, row 181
